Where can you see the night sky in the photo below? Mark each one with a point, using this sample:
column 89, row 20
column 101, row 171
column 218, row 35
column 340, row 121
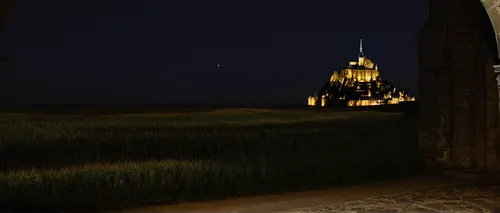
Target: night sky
column 167, row 52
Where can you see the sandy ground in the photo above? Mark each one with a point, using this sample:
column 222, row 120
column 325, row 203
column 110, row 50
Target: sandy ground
column 418, row 194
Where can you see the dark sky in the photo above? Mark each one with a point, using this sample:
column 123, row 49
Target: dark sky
column 162, row 51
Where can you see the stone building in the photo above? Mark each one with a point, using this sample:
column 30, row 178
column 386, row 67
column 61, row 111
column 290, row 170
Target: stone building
column 358, row 84
column 458, row 97
column 363, row 70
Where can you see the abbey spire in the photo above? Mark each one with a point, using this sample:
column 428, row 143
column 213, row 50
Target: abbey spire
column 361, row 48
column 361, row 57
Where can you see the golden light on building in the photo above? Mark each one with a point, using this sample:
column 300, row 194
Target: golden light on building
column 358, row 84
column 323, row 101
column 364, row 103
column 311, row 101
column 393, row 101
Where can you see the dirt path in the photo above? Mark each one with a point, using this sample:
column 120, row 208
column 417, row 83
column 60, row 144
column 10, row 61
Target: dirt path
column 427, row 193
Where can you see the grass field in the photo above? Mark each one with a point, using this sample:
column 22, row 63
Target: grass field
column 68, row 162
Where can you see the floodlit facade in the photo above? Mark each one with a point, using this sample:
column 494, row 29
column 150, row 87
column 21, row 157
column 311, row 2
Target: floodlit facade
column 358, row 84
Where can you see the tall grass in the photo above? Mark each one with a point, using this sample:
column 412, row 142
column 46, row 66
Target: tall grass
column 102, row 186
column 263, row 151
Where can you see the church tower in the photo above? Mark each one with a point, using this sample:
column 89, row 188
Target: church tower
column 361, row 57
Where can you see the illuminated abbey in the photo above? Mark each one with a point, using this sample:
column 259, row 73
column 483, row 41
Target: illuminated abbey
column 359, row 84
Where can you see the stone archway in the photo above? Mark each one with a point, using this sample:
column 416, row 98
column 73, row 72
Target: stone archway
column 458, row 104
column 492, row 8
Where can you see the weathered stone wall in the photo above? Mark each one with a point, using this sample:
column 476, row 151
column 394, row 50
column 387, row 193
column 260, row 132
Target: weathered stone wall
column 458, row 95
